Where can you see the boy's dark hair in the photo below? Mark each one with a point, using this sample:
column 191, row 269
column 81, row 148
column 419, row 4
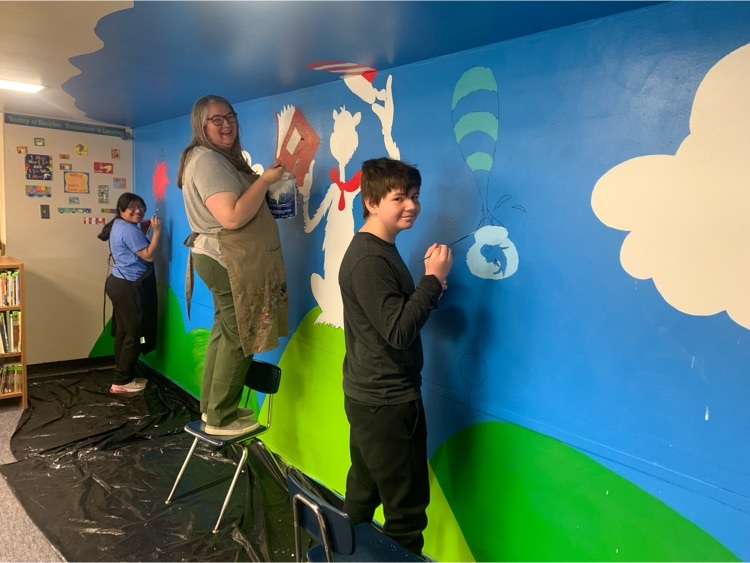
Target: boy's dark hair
column 382, row 175
column 123, row 202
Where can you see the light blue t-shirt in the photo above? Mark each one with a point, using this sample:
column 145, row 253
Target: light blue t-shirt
column 125, row 240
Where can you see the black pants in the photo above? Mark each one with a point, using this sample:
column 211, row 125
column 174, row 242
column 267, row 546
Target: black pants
column 133, row 317
column 388, row 448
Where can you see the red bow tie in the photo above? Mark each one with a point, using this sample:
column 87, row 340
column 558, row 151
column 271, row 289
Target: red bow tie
column 350, row 185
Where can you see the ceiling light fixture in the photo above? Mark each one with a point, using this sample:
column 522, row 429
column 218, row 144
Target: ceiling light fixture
column 20, row 86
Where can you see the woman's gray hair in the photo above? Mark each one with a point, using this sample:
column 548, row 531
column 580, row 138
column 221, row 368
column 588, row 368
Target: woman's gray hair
column 198, row 118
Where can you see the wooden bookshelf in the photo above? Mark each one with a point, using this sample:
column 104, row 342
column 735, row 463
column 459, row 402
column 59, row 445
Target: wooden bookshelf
column 13, row 348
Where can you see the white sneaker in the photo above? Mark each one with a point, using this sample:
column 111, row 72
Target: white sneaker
column 132, row 387
column 241, row 413
column 239, row 426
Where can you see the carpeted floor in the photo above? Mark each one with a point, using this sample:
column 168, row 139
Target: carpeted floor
column 93, row 470
column 20, row 539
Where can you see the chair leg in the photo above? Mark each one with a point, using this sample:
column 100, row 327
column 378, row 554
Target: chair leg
column 270, row 454
column 182, row 471
column 297, row 535
column 240, row 467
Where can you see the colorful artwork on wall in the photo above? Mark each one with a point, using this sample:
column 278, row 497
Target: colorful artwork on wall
column 104, row 167
column 38, row 167
column 38, row 191
column 159, row 182
column 102, row 193
column 76, row 182
column 296, row 142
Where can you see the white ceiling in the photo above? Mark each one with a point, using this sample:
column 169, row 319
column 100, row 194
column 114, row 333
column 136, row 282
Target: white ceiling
column 36, row 41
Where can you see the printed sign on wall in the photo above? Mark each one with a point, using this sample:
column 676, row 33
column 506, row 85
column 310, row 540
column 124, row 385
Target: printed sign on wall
column 76, row 182
column 38, row 167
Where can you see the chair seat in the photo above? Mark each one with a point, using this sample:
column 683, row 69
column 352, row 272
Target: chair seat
column 261, row 377
column 371, row 545
column 197, row 428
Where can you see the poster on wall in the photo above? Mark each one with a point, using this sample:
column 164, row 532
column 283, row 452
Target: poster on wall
column 104, row 167
column 38, row 167
column 38, row 191
column 76, row 182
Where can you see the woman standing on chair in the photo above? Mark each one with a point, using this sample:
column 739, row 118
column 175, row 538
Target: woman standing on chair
column 236, row 249
column 132, row 289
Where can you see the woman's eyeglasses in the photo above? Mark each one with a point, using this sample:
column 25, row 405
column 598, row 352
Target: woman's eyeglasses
column 136, row 208
column 218, row 120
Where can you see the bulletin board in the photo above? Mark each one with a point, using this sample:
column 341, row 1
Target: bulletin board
column 62, row 182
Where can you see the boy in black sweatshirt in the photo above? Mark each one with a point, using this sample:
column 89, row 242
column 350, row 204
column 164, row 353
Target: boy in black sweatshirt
column 383, row 315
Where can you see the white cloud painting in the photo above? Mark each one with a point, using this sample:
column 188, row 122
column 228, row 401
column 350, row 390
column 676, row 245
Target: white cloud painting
column 689, row 213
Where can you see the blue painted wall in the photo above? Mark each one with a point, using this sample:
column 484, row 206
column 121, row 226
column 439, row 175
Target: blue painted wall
column 570, row 345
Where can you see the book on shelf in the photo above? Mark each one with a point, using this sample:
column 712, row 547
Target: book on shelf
column 10, row 332
column 16, row 330
column 11, row 378
column 4, row 342
column 10, row 284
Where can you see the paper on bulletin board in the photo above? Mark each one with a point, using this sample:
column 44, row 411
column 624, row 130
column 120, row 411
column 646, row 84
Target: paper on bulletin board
column 76, row 182
column 38, row 167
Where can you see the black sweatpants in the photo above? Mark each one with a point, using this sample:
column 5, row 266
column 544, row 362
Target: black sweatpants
column 388, row 448
column 133, row 317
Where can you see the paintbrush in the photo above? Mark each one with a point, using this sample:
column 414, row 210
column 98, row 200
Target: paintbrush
column 451, row 244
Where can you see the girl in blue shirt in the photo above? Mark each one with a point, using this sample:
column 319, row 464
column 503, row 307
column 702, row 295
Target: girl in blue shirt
column 132, row 289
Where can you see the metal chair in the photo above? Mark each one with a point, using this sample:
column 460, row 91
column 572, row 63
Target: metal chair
column 337, row 537
column 260, row 376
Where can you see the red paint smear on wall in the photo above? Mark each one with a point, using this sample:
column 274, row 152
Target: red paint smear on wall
column 160, row 181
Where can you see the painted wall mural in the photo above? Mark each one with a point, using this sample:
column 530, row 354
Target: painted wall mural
column 574, row 412
column 337, row 208
column 338, row 204
column 475, row 113
column 687, row 213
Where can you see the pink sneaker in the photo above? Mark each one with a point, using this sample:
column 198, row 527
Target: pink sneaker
column 132, row 387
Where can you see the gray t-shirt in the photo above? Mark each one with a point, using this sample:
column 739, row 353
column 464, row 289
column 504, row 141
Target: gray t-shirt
column 208, row 172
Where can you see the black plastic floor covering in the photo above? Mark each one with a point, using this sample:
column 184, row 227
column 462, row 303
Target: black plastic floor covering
column 94, row 470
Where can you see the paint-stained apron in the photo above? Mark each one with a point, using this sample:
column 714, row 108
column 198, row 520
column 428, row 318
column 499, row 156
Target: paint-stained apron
column 257, row 277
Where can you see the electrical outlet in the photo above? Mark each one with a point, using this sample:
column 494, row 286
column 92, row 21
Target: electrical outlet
column 44, row 211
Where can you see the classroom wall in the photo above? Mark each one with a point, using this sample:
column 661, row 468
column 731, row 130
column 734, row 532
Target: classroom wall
column 586, row 373
column 65, row 263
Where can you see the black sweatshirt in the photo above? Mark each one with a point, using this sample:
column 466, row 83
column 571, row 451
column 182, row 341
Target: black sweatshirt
column 383, row 314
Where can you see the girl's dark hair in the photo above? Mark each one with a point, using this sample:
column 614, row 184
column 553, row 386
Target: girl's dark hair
column 123, row 202
column 198, row 118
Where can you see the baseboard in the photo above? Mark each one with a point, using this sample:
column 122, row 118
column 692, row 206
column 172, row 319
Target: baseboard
column 69, row 366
